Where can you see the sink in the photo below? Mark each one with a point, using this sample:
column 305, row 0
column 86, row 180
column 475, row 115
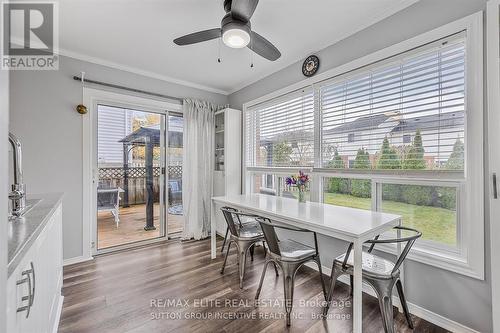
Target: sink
column 30, row 203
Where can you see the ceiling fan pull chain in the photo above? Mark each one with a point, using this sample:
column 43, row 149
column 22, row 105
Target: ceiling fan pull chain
column 251, row 54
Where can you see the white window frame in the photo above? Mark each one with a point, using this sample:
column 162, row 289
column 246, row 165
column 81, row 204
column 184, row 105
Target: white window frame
column 469, row 259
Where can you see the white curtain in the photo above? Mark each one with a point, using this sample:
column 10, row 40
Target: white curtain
column 198, row 165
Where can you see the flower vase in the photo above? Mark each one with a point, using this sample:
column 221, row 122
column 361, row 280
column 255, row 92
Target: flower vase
column 302, row 196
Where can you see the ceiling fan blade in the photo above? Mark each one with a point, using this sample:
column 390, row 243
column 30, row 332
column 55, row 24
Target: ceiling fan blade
column 243, row 9
column 198, row 37
column 263, row 47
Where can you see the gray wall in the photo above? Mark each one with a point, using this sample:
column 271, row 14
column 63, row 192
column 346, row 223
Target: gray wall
column 459, row 298
column 43, row 115
column 4, row 124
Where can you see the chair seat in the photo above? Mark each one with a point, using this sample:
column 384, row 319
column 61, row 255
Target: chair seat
column 372, row 265
column 250, row 230
column 292, row 250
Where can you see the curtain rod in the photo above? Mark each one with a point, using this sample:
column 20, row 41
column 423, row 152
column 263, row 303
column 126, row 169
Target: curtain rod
column 77, row 78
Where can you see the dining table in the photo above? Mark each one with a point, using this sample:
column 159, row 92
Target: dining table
column 338, row 222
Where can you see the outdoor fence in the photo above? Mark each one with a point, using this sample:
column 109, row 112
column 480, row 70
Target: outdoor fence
column 114, row 177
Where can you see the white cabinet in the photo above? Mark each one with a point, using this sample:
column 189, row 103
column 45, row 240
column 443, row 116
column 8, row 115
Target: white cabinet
column 34, row 288
column 227, row 169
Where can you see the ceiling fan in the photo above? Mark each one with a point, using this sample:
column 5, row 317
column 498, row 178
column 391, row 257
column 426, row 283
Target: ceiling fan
column 236, row 30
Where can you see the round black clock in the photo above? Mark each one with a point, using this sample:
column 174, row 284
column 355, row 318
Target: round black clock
column 310, row 65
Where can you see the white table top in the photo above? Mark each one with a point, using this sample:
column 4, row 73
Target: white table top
column 343, row 222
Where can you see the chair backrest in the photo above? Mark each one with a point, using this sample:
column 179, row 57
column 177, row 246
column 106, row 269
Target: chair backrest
column 409, row 240
column 270, row 235
column 228, row 213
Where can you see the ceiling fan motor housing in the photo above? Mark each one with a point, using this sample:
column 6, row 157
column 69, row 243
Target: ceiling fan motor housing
column 229, row 24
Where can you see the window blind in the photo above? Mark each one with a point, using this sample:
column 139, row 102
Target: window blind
column 406, row 113
column 280, row 133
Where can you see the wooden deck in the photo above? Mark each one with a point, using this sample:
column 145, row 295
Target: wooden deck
column 131, row 226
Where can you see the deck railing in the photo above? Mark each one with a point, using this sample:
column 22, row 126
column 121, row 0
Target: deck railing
column 115, row 177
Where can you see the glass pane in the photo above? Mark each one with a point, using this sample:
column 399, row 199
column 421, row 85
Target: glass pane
column 129, row 158
column 175, row 219
column 406, row 114
column 270, row 184
column 429, row 209
column 355, row 193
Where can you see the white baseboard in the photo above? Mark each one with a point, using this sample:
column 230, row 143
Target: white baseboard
column 55, row 326
column 76, row 260
column 414, row 309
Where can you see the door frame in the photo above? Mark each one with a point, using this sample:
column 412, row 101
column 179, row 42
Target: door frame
column 92, row 98
column 493, row 94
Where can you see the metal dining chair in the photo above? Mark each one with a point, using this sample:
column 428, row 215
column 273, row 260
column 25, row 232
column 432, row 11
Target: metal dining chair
column 289, row 255
column 380, row 273
column 240, row 224
column 243, row 235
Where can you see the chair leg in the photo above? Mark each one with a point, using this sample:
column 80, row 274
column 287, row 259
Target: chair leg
column 383, row 290
column 318, row 261
column 351, row 277
column 402, row 298
column 225, row 259
column 262, row 278
column 252, row 250
column 336, row 272
column 276, row 268
column 224, row 242
column 288, row 285
column 242, row 256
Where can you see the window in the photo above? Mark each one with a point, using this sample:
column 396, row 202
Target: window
column 281, row 133
column 389, row 132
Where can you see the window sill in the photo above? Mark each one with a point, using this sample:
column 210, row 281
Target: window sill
column 449, row 261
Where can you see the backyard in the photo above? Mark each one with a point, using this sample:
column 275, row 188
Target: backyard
column 436, row 224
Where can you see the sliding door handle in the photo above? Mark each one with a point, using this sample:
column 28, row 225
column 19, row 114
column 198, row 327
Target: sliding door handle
column 495, row 190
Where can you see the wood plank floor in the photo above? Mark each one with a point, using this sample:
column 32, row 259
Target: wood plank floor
column 122, row 292
column 131, row 226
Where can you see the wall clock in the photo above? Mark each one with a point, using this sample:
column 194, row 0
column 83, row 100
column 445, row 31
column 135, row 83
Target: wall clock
column 310, row 65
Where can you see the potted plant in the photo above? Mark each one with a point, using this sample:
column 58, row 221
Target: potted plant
column 300, row 181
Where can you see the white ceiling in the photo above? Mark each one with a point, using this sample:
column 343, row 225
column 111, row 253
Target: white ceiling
column 137, row 35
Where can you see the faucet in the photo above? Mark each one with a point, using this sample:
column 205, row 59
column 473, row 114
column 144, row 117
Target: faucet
column 18, row 193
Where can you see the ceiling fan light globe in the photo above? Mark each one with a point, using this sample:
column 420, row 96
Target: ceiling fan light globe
column 236, row 38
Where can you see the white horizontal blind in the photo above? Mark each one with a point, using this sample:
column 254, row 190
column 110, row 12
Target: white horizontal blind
column 280, row 133
column 422, row 91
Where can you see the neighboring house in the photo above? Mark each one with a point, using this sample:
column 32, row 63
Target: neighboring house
column 113, row 125
column 439, row 133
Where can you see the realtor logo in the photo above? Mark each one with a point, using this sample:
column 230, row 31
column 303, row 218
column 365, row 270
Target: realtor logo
column 30, row 36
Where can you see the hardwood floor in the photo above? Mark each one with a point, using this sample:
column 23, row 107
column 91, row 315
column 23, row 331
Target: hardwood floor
column 130, row 291
column 131, row 226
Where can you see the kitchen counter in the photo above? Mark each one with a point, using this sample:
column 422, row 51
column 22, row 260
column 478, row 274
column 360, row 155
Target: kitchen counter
column 23, row 231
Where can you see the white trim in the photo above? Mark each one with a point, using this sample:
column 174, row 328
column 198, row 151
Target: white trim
column 60, row 302
column 91, row 98
column 493, row 66
column 414, row 309
column 438, row 33
column 76, row 260
column 470, row 260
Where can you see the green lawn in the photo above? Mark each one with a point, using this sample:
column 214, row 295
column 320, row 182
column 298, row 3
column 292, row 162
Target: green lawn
column 436, row 224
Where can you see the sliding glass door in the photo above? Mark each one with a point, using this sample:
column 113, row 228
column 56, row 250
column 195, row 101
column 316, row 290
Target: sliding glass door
column 130, row 191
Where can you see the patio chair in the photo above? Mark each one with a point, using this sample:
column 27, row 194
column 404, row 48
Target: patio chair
column 108, row 200
column 244, row 235
column 380, row 273
column 289, row 255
